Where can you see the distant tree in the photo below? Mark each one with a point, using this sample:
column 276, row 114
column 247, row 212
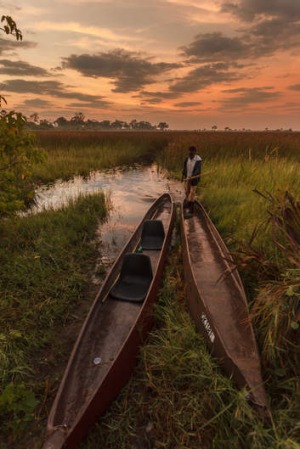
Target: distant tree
column 45, row 124
column 105, row 124
column 78, row 119
column 133, row 124
column 214, row 127
column 61, row 121
column 91, row 124
column 144, row 125
column 117, row 124
column 162, row 126
column 35, row 118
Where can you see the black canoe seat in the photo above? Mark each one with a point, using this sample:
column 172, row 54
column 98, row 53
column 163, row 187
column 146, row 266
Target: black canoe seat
column 135, row 278
column 153, row 235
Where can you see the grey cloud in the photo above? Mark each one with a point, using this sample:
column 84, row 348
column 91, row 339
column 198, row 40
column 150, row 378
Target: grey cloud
column 269, row 26
column 152, row 100
column 20, row 68
column 91, row 105
column 157, row 97
column 35, row 87
column 7, row 45
column 259, row 40
column 162, row 95
column 295, row 87
column 205, row 76
column 248, row 96
column 187, row 104
column 128, row 70
column 52, row 88
column 216, row 47
column 250, row 9
column 269, row 36
column 36, row 103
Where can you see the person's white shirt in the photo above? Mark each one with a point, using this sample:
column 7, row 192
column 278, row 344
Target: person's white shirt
column 191, row 164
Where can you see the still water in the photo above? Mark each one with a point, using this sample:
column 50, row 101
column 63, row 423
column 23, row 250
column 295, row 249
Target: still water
column 130, row 192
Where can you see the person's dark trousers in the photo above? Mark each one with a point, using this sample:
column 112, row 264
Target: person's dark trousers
column 191, row 206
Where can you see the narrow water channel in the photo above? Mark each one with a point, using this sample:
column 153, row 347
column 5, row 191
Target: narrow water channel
column 130, row 192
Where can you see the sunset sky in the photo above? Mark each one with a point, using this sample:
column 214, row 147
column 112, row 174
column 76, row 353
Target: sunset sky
column 191, row 63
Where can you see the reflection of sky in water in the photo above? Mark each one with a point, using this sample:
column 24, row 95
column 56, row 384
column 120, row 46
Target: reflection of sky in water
column 131, row 191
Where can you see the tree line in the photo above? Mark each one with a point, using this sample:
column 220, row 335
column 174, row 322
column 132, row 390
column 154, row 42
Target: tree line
column 79, row 121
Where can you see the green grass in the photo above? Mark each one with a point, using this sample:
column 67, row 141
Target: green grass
column 46, row 264
column 228, row 183
column 79, row 153
column 179, row 398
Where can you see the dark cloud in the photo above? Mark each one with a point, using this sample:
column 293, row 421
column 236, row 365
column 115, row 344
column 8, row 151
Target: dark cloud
column 269, row 36
column 251, row 9
column 216, row 47
column 187, row 104
column 259, row 40
column 295, row 87
column 268, row 26
column 20, row 68
column 205, row 76
column 36, row 103
column 97, row 104
column 249, row 96
column 271, row 25
column 157, row 97
column 152, row 100
column 161, row 95
column 52, row 88
column 128, row 70
column 7, row 45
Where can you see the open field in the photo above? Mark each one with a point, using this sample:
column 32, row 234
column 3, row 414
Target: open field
column 79, row 152
column 178, row 398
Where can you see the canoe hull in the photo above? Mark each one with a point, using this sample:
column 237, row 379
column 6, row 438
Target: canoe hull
column 228, row 320
column 59, row 436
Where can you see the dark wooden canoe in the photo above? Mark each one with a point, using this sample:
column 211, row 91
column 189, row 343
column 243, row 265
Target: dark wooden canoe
column 218, row 304
column 111, row 334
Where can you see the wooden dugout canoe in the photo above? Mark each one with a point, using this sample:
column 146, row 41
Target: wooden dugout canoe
column 218, row 304
column 111, row 334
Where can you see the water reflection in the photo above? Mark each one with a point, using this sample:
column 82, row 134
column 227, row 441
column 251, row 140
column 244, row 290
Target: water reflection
column 130, row 192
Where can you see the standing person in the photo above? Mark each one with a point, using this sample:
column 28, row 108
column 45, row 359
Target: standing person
column 191, row 175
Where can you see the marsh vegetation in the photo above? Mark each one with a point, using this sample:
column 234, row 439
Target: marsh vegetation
column 178, row 397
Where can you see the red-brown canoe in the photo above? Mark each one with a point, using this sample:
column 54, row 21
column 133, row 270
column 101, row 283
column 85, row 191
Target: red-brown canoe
column 218, row 304
column 105, row 352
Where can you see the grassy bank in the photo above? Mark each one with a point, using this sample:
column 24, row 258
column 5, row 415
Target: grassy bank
column 178, row 398
column 46, row 265
column 79, row 153
column 229, row 180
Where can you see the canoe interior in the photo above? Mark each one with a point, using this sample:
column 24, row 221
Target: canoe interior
column 105, row 332
column 218, row 304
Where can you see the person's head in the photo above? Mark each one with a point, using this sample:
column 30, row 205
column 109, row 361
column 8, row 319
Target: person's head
column 192, row 152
